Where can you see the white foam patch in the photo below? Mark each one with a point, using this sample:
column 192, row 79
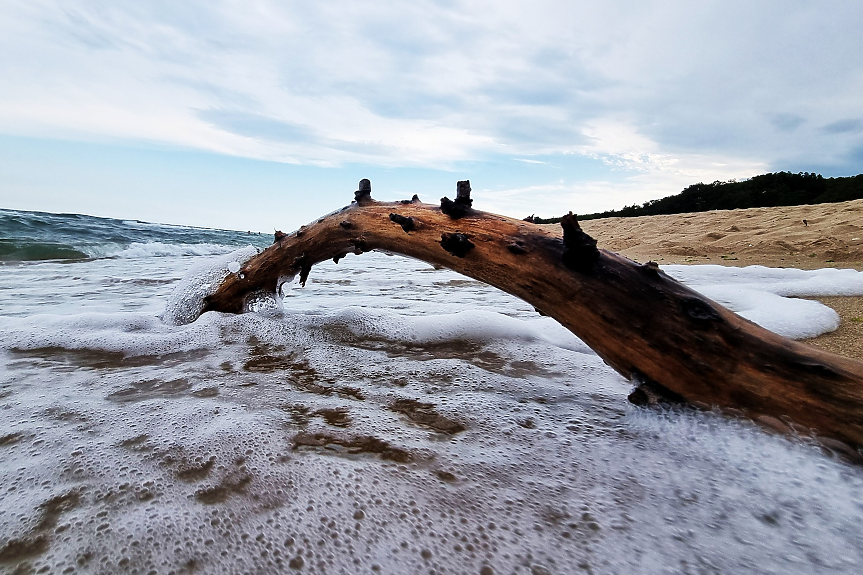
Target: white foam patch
column 477, row 325
column 770, row 297
column 551, row 472
column 187, row 300
column 136, row 334
column 780, row 281
column 128, row 333
column 791, row 318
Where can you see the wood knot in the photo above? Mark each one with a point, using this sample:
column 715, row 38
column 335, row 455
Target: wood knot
column 650, row 268
column 364, row 193
column 346, row 225
column 580, row 252
column 359, row 246
column 699, row 310
column 457, row 244
column 462, row 204
column 279, row 236
column 817, row 369
column 408, row 224
column 517, row 247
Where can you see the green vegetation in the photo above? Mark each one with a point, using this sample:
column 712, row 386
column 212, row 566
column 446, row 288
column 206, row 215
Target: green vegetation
column 767, row 190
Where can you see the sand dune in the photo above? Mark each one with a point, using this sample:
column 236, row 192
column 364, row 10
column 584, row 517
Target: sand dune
column 804, row 237
column 832, row 236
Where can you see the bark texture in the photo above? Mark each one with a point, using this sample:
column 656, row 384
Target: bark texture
column 647, row 326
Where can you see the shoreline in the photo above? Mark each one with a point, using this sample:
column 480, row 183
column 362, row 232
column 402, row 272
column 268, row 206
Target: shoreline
column 804, row 237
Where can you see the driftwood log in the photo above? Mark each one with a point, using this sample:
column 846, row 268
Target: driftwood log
column 673, row 342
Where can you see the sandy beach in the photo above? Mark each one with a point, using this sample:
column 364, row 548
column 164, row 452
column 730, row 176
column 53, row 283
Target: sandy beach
column 803, row 237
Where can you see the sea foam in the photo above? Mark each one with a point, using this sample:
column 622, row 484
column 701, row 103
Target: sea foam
column 393, row 419
column 187, row 299
column 771, row 297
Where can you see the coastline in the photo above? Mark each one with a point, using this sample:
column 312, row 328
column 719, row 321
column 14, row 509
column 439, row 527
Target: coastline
column 832, row 236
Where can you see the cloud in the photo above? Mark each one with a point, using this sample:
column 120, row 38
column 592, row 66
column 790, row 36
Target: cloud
column 257, row 126
column 632, row 179
column 657, row 91
column 843, row 126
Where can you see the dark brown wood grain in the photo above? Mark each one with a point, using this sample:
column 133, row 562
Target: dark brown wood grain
column 647, row 326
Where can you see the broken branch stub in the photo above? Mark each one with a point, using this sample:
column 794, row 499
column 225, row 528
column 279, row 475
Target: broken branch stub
column 364, row 191
column 462, row 204
column 580, row 251
column 644, row 324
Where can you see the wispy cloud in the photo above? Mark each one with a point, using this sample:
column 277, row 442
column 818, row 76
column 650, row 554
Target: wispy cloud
column 655, row 90
column 844, row 126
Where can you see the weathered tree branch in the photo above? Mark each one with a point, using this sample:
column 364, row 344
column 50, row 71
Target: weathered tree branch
column 644, row 324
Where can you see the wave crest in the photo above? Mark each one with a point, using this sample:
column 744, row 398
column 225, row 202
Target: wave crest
column 159, row 249
column 27, row 250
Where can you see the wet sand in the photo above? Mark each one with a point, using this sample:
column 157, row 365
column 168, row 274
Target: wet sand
column 803, row 237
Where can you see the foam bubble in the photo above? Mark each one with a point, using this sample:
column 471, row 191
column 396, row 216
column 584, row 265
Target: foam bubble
column 263, row 302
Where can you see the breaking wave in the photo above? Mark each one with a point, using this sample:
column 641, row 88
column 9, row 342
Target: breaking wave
column 37, row 236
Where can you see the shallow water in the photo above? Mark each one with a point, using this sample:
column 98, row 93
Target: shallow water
column 394, row 419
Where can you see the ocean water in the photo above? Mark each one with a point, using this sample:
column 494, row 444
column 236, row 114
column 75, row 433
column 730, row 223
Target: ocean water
column 387, row 418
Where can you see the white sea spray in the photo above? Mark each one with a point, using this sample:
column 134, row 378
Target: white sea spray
column 202, row 280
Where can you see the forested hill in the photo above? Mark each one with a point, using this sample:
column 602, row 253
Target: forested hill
column 767, row 190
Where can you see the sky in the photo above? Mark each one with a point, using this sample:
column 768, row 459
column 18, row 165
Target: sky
column 260, row 114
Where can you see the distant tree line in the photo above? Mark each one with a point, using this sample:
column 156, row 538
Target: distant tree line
column 764, row 191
